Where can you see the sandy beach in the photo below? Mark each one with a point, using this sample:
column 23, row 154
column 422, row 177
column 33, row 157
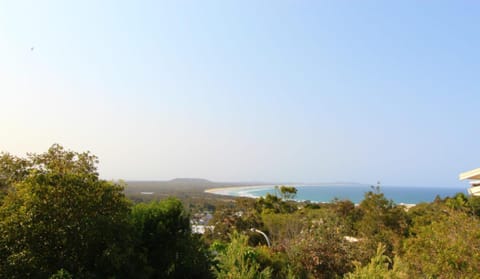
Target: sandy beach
column 227, row 190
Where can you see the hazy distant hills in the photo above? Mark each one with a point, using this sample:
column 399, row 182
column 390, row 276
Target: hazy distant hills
column 197, row 185
column 195, row 181
column 177, row 184
column 180, row 185
column 202, row 184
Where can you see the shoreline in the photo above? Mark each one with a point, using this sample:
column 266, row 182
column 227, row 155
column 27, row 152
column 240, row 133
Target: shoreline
column 242, row 191
column 222, row 189
column 226, row 189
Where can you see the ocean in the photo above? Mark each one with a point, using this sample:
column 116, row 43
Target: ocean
column 352, row 192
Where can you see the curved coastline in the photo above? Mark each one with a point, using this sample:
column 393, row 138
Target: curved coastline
column 246, row 191
column 238, row 191
column 251, row 192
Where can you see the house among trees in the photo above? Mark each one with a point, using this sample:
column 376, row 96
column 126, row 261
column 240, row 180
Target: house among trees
column 474, row 177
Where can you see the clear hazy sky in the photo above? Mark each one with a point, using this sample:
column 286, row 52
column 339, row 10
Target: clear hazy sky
column 247, row 90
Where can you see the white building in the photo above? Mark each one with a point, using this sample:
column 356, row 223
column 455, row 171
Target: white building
column 474, row 177
column 201, row 229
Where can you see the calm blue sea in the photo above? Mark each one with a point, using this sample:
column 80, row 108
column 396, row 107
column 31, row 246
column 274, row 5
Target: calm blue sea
column 355, row 193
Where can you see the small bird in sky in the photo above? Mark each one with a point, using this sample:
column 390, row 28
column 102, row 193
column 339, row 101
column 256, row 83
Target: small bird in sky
column 32, row 48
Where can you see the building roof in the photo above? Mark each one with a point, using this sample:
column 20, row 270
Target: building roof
column 473, row 174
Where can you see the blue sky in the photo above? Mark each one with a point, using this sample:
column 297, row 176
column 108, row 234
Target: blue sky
column 311, row 91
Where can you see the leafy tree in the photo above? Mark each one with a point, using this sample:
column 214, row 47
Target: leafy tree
column 58, row 215
column 225, row 221
column 346, row 210
column 61, row 274
column 378, row 268
column 446, row 247
column 237, row 260
column 12, row 169
column 321, row 250
column 241, row 217
column 470, row 204
column 165, row 242
column 459, row 201
column 474, row 205
column 278, row 202
column 271, row 204
column 278, row 262
column 287, row 193
column 380, row 221
column 283, row 228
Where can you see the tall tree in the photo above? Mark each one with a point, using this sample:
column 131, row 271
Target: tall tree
column 380, row 221
column 59, row 215
column 321, row 250
column 165, row 241
column 12, row 169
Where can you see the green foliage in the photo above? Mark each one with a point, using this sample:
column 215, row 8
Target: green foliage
column 240, row 218
column 13, row 169
column 321, row 249
column 59, row 214
column 473, row 204
column 446, row 247
column 346, row 210
column 459, row 201
column 280, row 202
column 274, row 204
column 283, row 227
column 59, row 220
column 281, row 268
column 378, row 268
column 61, row 274
column 380, row 221
column 470, row 204
column 239, row 261
column 287, row 193
column 165, row 241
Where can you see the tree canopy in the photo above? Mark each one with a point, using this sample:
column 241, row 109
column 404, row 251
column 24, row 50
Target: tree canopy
column 165, row 242
column 58, row 214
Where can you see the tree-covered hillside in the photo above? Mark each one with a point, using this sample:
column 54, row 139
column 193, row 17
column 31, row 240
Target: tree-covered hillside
column 58, row 219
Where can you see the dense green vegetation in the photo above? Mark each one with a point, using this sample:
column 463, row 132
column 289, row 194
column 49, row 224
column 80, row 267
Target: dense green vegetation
column 58, row 219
